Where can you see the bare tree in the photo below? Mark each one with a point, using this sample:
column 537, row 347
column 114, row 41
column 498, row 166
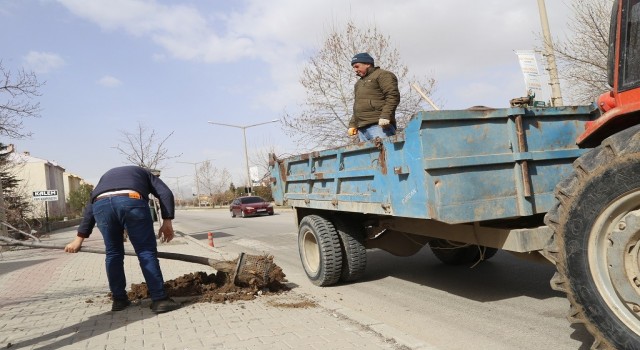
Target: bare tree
column 328, row 80
column 582, row 57
column 213, row 181
column 16, row 101
column 259, row 158
column 145, row 148
column 206, row 177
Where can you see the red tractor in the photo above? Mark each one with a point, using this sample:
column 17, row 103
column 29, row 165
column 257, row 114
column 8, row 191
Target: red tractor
column 596, row 219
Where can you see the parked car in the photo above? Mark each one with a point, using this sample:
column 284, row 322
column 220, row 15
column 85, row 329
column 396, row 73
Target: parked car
column 250, row 205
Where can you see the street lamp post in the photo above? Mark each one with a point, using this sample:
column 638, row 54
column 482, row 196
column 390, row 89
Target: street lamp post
column 195, row 168
column 244, row 136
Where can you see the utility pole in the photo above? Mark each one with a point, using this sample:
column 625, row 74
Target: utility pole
column 554, row 81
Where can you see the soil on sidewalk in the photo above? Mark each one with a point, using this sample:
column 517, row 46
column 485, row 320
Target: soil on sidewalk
column 217, row 287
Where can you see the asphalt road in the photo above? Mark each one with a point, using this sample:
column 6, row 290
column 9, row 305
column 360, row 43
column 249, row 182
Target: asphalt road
column 503, row 303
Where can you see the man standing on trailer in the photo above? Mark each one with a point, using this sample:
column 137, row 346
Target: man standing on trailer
column 376, row 97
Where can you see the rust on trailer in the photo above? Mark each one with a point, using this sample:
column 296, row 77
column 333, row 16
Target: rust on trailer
column 524, row 165
column 283, row 173
column 382, row 157
column 353, row 146
column 272, row 159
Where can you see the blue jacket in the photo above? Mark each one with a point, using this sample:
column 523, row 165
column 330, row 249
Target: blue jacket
column 129, row 177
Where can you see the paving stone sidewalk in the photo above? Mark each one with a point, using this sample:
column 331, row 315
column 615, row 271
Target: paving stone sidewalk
column 54, row 300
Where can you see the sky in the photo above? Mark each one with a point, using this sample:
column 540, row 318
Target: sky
column 172, row 66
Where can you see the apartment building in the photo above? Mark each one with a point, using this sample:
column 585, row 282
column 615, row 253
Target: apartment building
column 39, row 174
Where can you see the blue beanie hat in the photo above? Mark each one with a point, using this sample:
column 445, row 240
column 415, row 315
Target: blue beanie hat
column 362, row 58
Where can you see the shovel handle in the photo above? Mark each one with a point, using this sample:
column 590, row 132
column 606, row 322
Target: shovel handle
column 216, row 264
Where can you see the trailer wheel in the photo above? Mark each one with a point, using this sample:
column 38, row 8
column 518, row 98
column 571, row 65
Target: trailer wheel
column 354, row 253
column 454, row 253
column 596, row 223
column 320, row 253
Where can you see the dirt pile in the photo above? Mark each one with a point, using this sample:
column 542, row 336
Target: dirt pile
column 216, row 288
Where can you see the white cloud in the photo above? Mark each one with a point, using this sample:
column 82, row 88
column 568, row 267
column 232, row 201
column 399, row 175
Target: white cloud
column 43, row 62
column 179, row 29
column 444, row 39
column 445, row 35
column 109, row 81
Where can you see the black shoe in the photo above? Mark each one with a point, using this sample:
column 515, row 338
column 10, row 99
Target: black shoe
column 164, row 305
column 120, row 304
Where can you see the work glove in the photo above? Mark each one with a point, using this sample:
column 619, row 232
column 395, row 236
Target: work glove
column 383, row 122
column 352, row 131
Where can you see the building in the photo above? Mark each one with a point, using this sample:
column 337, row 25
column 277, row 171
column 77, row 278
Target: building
column 39, row 174
column 72, row 183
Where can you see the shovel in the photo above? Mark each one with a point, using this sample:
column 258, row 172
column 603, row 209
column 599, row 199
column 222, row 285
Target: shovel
column 247, row 270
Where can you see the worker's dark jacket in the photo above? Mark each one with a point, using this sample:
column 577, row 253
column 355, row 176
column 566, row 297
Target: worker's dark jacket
column 128, row 178
column 376, row 96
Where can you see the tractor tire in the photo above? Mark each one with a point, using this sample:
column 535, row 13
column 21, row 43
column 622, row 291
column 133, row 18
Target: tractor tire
column 596, row 241
column 453, row 253
column 320, row 252
column 354, row 253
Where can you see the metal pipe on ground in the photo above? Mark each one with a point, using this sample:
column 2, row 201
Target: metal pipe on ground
column 247, row 270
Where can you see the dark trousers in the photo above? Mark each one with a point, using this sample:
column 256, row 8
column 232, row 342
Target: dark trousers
column 112, row 215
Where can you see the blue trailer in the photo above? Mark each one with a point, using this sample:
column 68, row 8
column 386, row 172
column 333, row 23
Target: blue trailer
column 467, row 183
column 464, row 182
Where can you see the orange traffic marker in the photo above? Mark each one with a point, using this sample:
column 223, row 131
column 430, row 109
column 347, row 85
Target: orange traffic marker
column 210, row 237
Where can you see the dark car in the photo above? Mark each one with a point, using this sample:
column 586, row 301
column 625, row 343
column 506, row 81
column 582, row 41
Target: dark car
column 251, row 205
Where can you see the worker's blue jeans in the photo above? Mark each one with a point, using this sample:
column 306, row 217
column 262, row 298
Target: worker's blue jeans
column 372, row 131
column 112, row 215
